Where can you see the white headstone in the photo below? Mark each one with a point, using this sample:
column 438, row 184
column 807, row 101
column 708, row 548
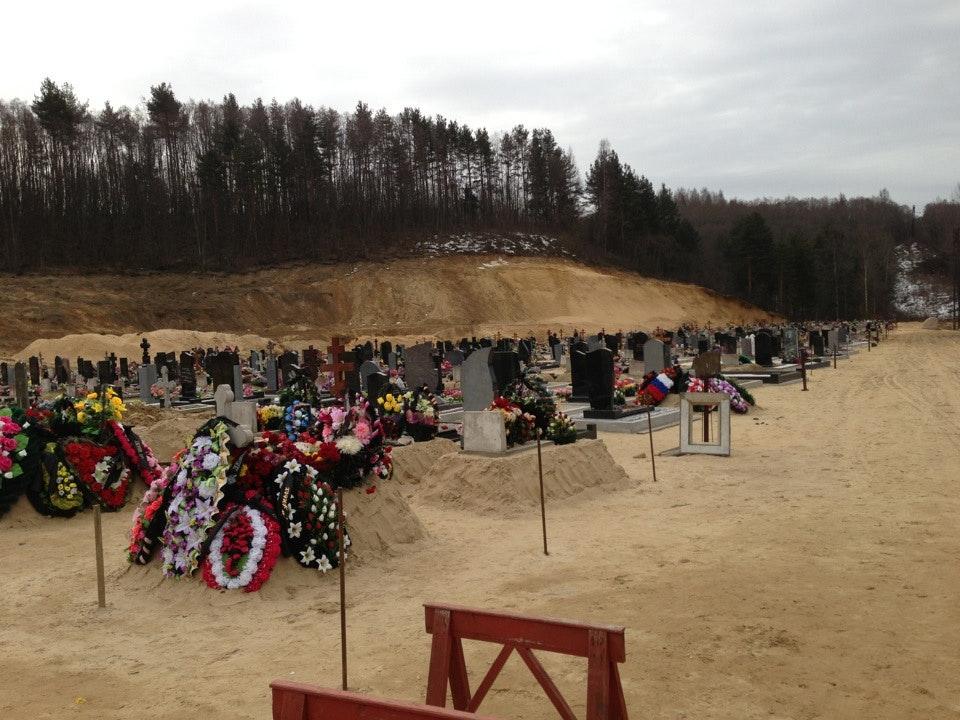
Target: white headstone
column 484, row 431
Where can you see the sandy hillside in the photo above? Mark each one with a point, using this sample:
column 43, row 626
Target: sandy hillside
column 813, row 574
column 406, row 299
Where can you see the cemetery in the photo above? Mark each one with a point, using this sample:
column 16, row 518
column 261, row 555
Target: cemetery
column 381, row 460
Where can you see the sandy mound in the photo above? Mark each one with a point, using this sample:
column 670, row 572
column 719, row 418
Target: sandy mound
column 93, row 346
column 931, row 323
column 413, row 462
column 447, row 296
column 504, row 485
column 171, row 434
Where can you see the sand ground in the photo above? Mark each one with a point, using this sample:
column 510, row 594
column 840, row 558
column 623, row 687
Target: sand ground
column 813, row 574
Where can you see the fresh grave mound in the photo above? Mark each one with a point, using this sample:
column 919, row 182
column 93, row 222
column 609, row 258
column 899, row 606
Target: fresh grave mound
column 509, row 484
column 229, row 505
column 167, row 436
column 94, row 345
column 411, row 463
column 71, row 454
column 931, row 323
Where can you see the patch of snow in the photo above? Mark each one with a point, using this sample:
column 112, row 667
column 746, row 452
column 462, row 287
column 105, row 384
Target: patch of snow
column 917, row 296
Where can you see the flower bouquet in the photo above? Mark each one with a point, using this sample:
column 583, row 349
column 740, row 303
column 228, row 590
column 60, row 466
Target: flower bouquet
column 421, row 416
column 562, row 430
column 391, row 409
column 520, row 426
column 269, row 417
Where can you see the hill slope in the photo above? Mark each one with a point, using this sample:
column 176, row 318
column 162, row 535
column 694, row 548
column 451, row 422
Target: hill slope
column 450, row 296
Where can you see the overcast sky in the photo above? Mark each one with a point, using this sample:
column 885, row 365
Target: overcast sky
column 757, row 97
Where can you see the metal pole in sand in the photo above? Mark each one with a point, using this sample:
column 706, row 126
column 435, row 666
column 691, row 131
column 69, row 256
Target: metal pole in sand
column 543, row 506
column 803, row 368
column 835, row 355
column 653, row 462
column 98, row 541
column 343, row 591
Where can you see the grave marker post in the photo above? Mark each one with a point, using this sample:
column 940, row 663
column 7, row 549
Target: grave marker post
column 653, row 462
column 98, row 545
column 543, row 506
column 343, row 589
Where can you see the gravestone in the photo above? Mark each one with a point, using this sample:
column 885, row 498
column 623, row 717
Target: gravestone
column 656, row 356
column 833, row 340
column 764, row 349
column 367, row 352
column 728, row 343
column 599, row 366
column 237, row 379
column 105, row 372
column 777, row 347
column 392, row 360
column 791, row 346
column 146, row 376
column 287, row 362
column 703, row 345
column 311, row 363
column 816, row 341
column 557, row 349
column 60, row 371
column 271, row 374
column 145, row 346
column 419, row 368
column 707, row 364
column 254, row 361
column 386, row 347
column 351, row 374
column 593, row 343
column 578, row 373
column 455, row 356
column 524, row 352
column 34, row 370
column 4, row 374
column 377, row 384
column 612, row 343
column 220, row 366
column 20, row 389
column 243, row 412
column 484, row 431
column 367, row 368
column 506, row 369
column 477, row 380
column 124, row 369
column 188, row 376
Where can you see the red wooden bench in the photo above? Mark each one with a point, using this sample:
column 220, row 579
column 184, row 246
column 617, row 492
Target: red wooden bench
column 297, row 701
column 602, row 645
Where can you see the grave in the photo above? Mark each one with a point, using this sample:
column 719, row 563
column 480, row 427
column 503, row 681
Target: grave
column 599, row 369
column 578, row 373
column 188, row 376
column 455, row 356
column 419, row 367
column 764, row 349
column 367, row 369
column 377, row 384
column 707, row 364
column 243, row 413
column 271, row 374
column 124, row 369
column 506, row 369
column 146, row 376
column 477, row 380
column 311, row 363
column 656, row 356
column 4, row 374
column 34, row 370
column 20, row 389
column 689, row 445
column 484, row 431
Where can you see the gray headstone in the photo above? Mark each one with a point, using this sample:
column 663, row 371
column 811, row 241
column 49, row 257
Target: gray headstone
column 455, row 357
column 20, row 390
column 271, row 373
column 477, row 380
column 238, row 383
column 146, row 376
column 419, row 368
column 392, row 360
column 367, row 368
column 656, row 356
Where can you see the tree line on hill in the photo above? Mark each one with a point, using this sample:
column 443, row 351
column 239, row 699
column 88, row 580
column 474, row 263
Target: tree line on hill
column 211, row 185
